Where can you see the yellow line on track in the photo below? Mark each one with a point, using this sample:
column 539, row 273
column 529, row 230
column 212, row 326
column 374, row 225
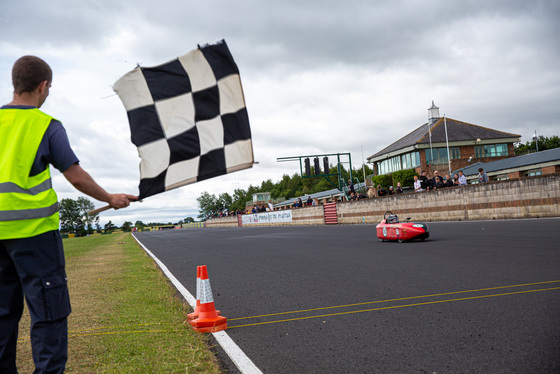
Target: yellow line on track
column 391, row 300
column 397, row 306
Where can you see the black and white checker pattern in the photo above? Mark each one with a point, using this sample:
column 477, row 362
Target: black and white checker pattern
column 188, row 119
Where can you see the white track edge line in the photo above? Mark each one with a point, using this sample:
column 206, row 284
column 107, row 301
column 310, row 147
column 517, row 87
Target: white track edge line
column 239, row 358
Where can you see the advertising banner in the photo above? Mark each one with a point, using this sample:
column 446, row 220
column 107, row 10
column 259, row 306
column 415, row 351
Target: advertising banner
column 268, row 217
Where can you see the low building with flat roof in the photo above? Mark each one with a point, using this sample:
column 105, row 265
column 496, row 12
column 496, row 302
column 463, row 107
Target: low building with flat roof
column 532, row 164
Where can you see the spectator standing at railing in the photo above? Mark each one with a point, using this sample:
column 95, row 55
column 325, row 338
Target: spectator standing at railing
column 436, row 174
column 381, row 191
column 351, row 186
column 309, row 201
column 430, row 183
column 462, row 178
column 399, row 188
column 371, row 193
column 448, row 181
column 423, row 180
column 417, row 184
column 482, row 177
column 456, row 180
column 439, row 184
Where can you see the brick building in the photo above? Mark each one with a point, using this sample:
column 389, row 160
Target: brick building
column 530, row 165
column 426, row 148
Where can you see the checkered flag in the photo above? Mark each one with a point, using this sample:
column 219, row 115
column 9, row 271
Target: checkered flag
column 188, row 119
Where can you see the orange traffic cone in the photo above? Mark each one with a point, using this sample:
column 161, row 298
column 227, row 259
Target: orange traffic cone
column 194, row 315
column 208, row 319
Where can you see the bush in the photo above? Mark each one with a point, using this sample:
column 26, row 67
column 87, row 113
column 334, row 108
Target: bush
column 406, row 177
column 384, row 180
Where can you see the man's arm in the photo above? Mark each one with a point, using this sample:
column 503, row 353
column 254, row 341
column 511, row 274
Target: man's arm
column 83, row 182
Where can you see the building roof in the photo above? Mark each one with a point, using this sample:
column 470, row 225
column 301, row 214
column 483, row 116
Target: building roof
column 456, row 131
column 518, row 162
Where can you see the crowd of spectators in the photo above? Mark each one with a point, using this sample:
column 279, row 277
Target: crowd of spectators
column 427, row 183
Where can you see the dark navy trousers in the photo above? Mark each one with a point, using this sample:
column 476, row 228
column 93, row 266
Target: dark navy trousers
column 34, row 268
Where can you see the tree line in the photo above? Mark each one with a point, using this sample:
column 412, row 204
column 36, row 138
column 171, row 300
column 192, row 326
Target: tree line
column 542, row 143
column 74, row 218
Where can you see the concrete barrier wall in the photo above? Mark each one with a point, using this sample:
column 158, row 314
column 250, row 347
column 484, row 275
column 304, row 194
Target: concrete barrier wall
column 192, row 225
column 518, row 198
column 532, row 197
column 222, row 222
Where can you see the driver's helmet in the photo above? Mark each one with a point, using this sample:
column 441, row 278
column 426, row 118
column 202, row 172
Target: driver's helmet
column 392, row 218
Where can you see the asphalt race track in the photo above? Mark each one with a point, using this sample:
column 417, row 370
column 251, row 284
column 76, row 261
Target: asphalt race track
column 476, row 297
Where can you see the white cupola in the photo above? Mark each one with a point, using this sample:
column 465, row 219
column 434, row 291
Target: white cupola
column 433, row 113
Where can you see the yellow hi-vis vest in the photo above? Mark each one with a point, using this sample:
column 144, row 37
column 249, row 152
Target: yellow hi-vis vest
column 28, row 205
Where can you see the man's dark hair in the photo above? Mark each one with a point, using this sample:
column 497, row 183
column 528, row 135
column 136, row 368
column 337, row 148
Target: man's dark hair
column 28, row 72
column 480, row 169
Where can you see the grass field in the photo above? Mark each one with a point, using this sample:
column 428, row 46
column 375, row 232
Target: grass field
column 125, row 316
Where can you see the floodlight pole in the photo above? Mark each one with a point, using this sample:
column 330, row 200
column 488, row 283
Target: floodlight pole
column 363, row 165
column 340, row 186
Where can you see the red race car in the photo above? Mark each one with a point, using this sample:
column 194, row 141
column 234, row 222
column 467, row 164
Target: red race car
column 391, row 229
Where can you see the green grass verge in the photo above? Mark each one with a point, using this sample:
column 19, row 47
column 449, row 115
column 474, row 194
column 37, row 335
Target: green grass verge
column 125, row 315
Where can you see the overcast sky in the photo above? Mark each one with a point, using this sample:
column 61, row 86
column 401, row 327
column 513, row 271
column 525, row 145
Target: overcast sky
column 319, row 76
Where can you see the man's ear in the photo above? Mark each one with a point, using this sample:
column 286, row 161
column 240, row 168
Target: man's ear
column 43, row 86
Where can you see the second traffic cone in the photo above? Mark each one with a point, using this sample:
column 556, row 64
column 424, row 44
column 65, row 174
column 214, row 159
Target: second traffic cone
column 208, row 319
column 194, row 314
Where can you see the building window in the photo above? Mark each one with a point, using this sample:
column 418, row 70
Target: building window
column 440, row 155
column 401, row 162
column 455, row 153
column 491, row 150
column 501, row 177
column 532, row 173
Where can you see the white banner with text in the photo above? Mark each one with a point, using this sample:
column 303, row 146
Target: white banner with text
column 268, row 217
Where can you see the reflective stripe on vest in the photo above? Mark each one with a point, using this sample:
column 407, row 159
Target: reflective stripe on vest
column 28, row 204
column 12, row 187
column 18, row 215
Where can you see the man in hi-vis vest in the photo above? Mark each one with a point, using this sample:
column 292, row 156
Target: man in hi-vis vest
column 31, row 253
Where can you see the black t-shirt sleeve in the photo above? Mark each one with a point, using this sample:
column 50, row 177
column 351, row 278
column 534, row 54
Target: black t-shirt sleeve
column 54, row 149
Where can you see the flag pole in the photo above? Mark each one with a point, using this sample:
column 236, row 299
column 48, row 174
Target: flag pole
column 104, row 208
column 99, row 210
column 431, row 150
column 447, row 142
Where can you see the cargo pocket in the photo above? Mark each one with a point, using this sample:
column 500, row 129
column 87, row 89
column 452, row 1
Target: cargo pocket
column 57, row 299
